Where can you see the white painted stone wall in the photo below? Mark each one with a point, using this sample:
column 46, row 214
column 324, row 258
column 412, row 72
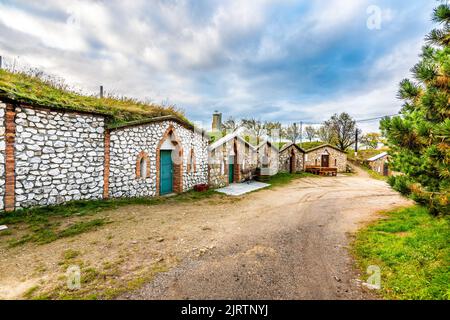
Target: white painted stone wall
column 59, row 157
column 128, row 142
column 2, row 155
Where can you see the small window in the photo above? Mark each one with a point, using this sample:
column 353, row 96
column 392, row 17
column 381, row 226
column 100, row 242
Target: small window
column 315, row 162
column 335, row 162
column 191, row 163
column 143, row 167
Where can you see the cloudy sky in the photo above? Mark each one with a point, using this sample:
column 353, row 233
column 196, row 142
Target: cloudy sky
column 281, row 60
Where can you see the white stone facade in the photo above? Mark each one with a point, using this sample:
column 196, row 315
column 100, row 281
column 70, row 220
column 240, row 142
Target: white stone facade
column 128, row 142
column 59, row 157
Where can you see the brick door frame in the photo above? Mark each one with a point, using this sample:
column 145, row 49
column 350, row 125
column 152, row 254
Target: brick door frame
column 10, row 174
column 177, row 167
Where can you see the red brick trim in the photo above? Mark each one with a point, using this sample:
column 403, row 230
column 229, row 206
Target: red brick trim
column 237, row 165
column 106, row 165
column 177, row 163
column 10, row 176
column 142, row 155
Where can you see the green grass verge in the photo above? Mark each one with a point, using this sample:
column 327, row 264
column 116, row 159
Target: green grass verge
column 43, row 224
column 283, row 178
column 413, row 251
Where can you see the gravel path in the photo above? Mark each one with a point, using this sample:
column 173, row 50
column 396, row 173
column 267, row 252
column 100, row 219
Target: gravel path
column 290, row 244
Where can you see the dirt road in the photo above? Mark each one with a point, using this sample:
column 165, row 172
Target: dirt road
column 286, row 243
column 283, row 243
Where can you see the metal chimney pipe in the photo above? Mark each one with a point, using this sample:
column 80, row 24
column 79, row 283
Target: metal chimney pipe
column 101, row 91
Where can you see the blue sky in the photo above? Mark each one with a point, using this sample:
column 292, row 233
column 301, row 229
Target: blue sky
column 279, row 60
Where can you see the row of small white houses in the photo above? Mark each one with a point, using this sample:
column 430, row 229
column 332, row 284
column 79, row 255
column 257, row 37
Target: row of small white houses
column 51, row 155
column 234, row 160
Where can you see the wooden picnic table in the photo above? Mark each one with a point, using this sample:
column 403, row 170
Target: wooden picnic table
column 322, row 171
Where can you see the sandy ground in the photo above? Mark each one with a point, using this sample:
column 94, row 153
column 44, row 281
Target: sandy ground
column 283, row 243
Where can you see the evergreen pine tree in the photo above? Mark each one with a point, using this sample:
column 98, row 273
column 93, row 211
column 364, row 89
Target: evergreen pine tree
column 419, row 139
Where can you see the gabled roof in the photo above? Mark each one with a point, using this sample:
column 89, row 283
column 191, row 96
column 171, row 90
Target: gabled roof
column 227, row 138
column 289, row 145
column 378, row 156
column 324, row 146
column 267, row 142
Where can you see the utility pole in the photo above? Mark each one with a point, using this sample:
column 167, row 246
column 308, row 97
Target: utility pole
column 101, row 91
column 356, row 142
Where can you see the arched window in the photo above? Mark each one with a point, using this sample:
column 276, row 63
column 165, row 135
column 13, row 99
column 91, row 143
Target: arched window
column 142, row 166
column 191, row 167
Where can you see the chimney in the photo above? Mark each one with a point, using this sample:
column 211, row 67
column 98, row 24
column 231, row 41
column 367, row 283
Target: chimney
column 101, row 91
column 217, row 121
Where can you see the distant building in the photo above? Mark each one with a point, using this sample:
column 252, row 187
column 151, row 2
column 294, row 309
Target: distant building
column 217, row 121
column 380, row 163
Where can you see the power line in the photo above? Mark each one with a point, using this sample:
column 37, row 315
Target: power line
column 360, row 120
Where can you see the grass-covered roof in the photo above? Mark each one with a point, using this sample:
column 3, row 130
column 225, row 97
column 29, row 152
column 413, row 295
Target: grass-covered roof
column 46, row 92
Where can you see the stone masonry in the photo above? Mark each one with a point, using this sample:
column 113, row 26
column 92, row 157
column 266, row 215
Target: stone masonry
column 59, row 157
column 337, row 158
column 128, row 143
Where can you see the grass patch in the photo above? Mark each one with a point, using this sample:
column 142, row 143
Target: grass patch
column 283, row 178
column 412, row 249
column 376, row 175
column 43, row 224
column 103, row 283
column 46, row 233
column 35, row 87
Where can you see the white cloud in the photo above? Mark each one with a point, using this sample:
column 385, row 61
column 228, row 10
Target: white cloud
column 54, row 34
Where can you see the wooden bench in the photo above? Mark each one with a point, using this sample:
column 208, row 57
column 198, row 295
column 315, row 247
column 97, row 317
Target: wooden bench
column 321, row 171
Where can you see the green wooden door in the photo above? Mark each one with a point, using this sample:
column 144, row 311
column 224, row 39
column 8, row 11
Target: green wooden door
column 230, row 172
column 166, row 172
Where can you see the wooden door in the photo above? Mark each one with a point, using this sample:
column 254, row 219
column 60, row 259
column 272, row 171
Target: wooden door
column 325, row 161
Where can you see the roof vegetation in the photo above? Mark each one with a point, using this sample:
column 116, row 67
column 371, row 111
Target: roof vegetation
column 35, row 88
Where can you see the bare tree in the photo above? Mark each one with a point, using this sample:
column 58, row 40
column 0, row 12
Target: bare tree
column 311, row 133
column 343, row 128
column 292, row 133
column 371, row 139
column 231, row 125
column 255, row 128
column 326, row 135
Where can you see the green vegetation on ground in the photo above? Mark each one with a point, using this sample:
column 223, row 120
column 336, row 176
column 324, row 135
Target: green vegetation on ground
column 283, row 178
column 44, row 224
column 37, row 88
column 412, row 249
